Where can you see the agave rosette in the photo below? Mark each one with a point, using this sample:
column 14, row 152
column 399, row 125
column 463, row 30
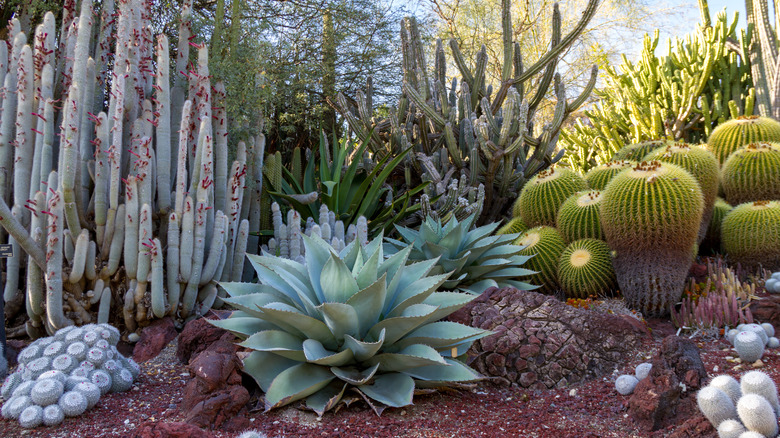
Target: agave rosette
column 352, row 320
column 477, row 258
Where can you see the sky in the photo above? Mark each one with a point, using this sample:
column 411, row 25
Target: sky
column 689, row 17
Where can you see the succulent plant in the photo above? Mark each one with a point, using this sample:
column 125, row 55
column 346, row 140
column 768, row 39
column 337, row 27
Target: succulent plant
column 543, row 195
column 729, row 385
column 546, row 245
column 46, row 392
column 598, row 177
column 731, row 429
column 73, row 403
column 643, row 370
column 31, row 416
column 15, row 405
column 755, row 328
column 514, row 226
column 741, row 131
column 750, row 234
column 579, row 217
column 702, row 164
column 716, row 405
column 752, row 173
column 650, row 215
column 52, row 415
column 353, row 319
column 476, row 258
column 626, row 383
column 585, row 269
column 749, row 346
column 637, row 151
column 757, row 414
column 720, row 209
column 757, row 382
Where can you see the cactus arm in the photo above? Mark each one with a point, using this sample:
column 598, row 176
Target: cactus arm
column 207, row 298
column 86, row 140
column 172, row 266
column 79, row 257
column 187, row 240
column 199, row 237
column 89, row 268
column 144, row 255
column 131, row 227
column 20, row 235
column 13, row 264
column 128, row 307
column 116, row 244
column 54, row 300
column 158, row 286
column 24, row 141
column 179, row 91
column 181, row 169
column 163, row 115
column 101, row 176
column 216, row 248
column 220, row 148
column 240, row 253
column 104, row 311
column 34, row 298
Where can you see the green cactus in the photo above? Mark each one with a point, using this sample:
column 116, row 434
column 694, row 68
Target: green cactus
column 702, row 164
column 515, row 225
column 543, row 195
column 750, row 234
column 585, row 269
column 579, row 217
column 546, row 245
column 651, row 215
column 752, row 173
column 637, row 151
column 598, row 177
column 740, row 132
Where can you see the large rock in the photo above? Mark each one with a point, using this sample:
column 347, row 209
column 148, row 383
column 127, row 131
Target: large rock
column 677, row 371
column 153, row 339
column 196, row 336
column 152, row 429
column 214, row 395
column 541, row 343
column 767, row 309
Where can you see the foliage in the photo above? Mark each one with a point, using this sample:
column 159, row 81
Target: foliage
column 475, row 258
column 350, row 320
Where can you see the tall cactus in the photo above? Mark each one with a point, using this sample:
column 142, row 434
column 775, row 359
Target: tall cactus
column 484, row 134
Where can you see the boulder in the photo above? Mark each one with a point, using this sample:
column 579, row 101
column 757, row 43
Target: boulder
column 766, row 309
column 153, row 339
column 540, row 342
column 682, row 356
column 197, row 336
column 156, row 429
column 655, row 397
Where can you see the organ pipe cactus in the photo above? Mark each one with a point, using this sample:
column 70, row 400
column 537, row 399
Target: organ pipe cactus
column 117, row 191
column 484, row 134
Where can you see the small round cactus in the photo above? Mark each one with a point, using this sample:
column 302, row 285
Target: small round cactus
column 101, row 379
column 11, row 382
column 132, row 366
column 515, row 225
column 757, row 414
column 90, row 391
column 96, row 356
column 757, row 329
column 54, row 374
column 24, row 388
column 253, row 434
column 542, row 195
column 90, row 337
column 72, row 381
column 729, row 385
column 637, row 151
column 730, row 428
column 13, row 407
column 625, row 384
column 749, row 346
column 53, row 415
column 64, row 363
column 736, row 133
column 31, row 416
column 579, row 218
column 121, row 380
column 716, row 405
column 54, row 349
column 36, row 367
column 73, row 403
column 773, row 342
column 546, row 245
column 78, row 350
column 74, row 335
column 585, row 269
column 599, row 176
column 80, row 371
column 643, row 370
column 757, row 382
column 752, row 173
column 47, row 391
column 31, row 352
column 751, row 434
column 750, row 234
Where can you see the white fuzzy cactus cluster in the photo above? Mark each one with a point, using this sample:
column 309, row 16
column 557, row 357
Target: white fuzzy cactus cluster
column 64, row 375
column 772, row 284
column 288, row 241
column 626, row 383
column 750, row 340
column 744, row 409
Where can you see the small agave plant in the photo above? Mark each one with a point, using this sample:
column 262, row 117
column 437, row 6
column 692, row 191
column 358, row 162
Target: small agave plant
column 477, row 259
column 348, row 321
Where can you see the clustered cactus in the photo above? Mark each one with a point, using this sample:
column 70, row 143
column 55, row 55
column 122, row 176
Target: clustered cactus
column 626, row 383
column 751, row 340
column 738, row 408
column 64, row 375
column 772, row 284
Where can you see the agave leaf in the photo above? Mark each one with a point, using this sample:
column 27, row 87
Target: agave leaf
column 441, row 335
column 341, row 319
column 394, row 389
column 416, row 293
column 454, row 264
column 439, row 375
column 392, row 264
column 277, row 342
column 271, row 278
column 337, row 281
column 392, row 246
column 446, row 303
column 479, row 233
column 368, row 272
column 431, row 250
column 409, row 235
column 413, row 356
column 326, row 398
column 316, row 254
column 404, row 277
column 511, row 273
column 457, row 350
column 295, row 383
column 362, row 349
column 235, row 289
column 399, row 326
column 375, row 245
column 453, row 238
column 501, row 251
column 430, row 231
column 359, row 261
column 478, row 287
column 354, row 375
column 291, row 320
column 350, row 253
column 243, row 327
column 487, row 266
column 519, row 285
column 264, row 367
column 306, row 294
column 317, row 354
column 368, row 303
column 252, row 303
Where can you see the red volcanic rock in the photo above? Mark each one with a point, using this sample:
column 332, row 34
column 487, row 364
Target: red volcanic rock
column 153, row 339
column 197, row 336
column 767, row 310
column 169, row 430
column 655, row 397
column 542, row 343
column 682, row 356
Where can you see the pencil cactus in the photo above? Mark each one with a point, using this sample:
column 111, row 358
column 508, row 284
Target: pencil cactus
column 354, row 320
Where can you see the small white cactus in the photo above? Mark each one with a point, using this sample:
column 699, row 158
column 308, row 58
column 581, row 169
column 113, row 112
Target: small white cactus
column 716, row 405
column 749, row 346
column 757, row 415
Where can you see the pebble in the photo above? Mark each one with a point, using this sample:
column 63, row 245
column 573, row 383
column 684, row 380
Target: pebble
column 758, row 364
column 572, row 393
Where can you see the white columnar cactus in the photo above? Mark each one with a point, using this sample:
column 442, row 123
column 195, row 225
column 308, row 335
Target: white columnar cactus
column 757, row 414
column 716, row 405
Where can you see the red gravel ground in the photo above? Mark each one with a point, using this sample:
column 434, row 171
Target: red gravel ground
column 592, row 409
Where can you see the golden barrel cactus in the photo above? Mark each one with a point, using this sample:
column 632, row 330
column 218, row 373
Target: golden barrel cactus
column 736, row 133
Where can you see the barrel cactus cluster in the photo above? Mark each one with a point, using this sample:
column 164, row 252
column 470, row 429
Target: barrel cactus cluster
column 64, row 375
column 743, row 408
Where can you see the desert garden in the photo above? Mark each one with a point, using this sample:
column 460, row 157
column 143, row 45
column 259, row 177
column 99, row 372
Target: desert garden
column 492, row 250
